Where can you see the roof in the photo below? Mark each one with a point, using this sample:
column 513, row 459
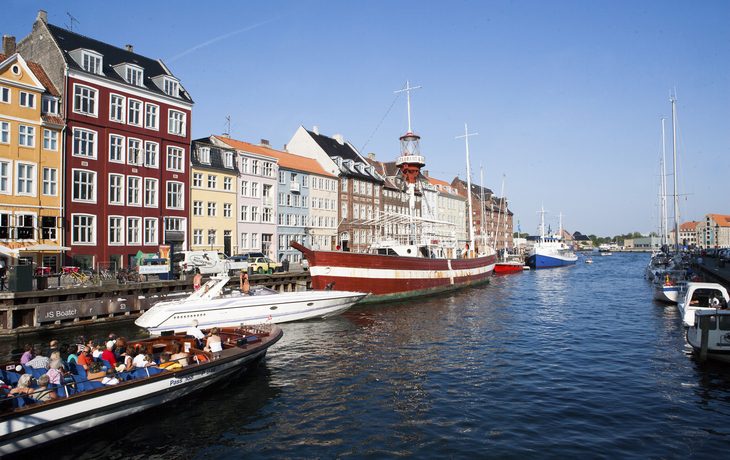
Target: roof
column 216, row 156
column 40, row 75
column 721, row 219
column 689, row 226
column 443, row 184
column 69, row 41
column 286, row 160
column 475, row 189
column 333, row 148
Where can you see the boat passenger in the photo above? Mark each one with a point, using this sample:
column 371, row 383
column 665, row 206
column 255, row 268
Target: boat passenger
column 121, row 347
column 96, row 371
column 245, row 285
column 178, row 355
column 165, row 363
column 129, row 358
column 53, row 347
column 141, row 359
column 714, row 302
column 98, row 350
column 214, row 341
column 64, row 351
column 194, row 332
column 72, row 354
column 55, row 373
column 23, row 386
column 28, row 355
column 108, row 355
column 197, row 280
column 40, row 361
column 64, row 367
column 42, row 393
column 723, row 303
column 85, row 358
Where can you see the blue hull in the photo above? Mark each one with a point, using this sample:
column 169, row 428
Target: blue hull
column 542, row 261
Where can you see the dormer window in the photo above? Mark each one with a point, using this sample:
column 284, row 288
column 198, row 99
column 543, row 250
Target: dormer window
column 204, row 155
column 132, row 74
column 50, row 106
column 90, row 61
column 170, row 85
column 228, row 159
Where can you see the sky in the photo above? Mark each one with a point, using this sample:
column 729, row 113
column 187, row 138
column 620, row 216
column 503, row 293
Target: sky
column 566, row 97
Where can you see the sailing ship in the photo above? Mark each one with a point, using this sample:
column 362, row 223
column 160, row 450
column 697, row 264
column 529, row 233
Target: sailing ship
column 401, row 266
column 550, row 251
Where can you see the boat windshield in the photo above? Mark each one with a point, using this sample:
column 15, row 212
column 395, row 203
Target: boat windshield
column 261, row 290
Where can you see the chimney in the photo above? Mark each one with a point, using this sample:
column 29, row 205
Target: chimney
column 226, row 136
column 285, row 150
column 316, row 130
column 264, row 142
column 43, row 16
column 339, row 138
column 129, row 48
column 371, row 156
column 8, row 45
column 425, row 172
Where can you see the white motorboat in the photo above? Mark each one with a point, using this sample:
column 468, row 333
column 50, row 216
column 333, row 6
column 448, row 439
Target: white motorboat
column 718, row 337
column 213, row 306
column 669, row 286
column 697, row 297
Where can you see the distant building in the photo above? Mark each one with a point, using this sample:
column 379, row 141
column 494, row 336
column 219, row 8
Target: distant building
column 493, row 210
column 582, row 241
column 713, row 231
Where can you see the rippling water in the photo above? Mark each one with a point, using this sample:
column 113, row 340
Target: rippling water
column 576, row 362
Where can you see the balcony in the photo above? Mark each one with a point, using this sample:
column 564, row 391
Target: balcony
column 294, row 186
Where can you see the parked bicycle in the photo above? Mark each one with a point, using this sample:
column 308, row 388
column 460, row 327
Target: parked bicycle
column 129, row 275
column 73, row 277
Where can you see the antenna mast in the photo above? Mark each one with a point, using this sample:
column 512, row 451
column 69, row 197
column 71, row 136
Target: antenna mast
column 71, row 27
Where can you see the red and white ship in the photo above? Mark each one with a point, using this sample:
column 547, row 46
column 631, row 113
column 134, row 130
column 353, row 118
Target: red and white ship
column 416, row 265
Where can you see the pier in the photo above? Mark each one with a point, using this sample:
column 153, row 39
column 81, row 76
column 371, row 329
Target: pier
column 63, row 307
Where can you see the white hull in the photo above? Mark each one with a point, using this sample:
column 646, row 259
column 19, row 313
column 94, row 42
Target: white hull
column 696, row 298
column 718, row 343
column 237, row 309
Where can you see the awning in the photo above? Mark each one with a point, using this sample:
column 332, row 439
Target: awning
column 44, row 248
column 7, row 251
column 174, row 236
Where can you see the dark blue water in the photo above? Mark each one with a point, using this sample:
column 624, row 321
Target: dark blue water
column 576, row 362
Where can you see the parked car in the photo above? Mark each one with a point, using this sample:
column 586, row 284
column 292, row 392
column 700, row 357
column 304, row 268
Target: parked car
column 248, row 255
column 262, row 265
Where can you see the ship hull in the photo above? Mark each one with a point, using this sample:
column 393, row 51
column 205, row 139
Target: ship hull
column 394, row 277
column 546, row 261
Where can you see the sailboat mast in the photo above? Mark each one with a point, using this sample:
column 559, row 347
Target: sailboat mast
column 499, row 216
column 664, row 187
column 468, row 184
column 676, row 196
column 481, row 204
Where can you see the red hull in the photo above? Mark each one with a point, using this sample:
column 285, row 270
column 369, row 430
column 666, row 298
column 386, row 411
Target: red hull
column 508, row 268
column 391, row 277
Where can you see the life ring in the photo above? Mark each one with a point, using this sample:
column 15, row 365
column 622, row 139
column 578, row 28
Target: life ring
column 697, row 279
column 669, row 283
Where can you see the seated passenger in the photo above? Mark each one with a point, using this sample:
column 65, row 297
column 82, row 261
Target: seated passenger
column 96, row 371
column 28, row 355
column 85, row 359
column 43, row 393
column 178, row 355
column 72, row 354
column 165, row 363
column 714, row 302
column 108, row 355
column 40, row 361
column 214, row 341
column 23, row 387
column 141, row 359
column 129, row 358
column 194, row 332
column 55, row 373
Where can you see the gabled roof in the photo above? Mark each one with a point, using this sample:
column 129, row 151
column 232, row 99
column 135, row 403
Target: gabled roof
column 689, row 226
column 37, row 70
column 216, row 156
column 721, row 219
column 286, row 160
column 69, row 41
column 346, row 151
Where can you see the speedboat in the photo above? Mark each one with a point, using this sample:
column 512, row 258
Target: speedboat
column 718, row 334
column 213, row 306
column 697, row 297
column 84, row 403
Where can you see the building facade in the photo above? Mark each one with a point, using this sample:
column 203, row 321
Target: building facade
column 213, row 197
column 127, row 146
column 713, row 231
column 31, row 163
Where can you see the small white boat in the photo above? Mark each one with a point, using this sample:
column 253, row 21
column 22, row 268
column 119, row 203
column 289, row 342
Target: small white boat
column 212, row 306
column 589, row 261
column 669, row 286
column 607, row 253
column 718, row 343
column 697, row 297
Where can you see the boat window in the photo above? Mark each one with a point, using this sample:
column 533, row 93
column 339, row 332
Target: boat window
column 725, row 322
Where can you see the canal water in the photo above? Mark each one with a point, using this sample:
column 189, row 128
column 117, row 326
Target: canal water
column 576, row 362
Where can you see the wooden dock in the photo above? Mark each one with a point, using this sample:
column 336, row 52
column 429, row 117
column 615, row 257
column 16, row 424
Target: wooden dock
column 60, row 307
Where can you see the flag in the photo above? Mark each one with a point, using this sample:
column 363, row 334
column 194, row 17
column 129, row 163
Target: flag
column 519, row 230
column 270, row 319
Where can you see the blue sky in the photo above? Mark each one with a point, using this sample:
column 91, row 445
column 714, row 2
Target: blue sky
column 566, row 96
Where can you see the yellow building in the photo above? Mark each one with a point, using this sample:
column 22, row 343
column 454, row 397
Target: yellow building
column 31, row 158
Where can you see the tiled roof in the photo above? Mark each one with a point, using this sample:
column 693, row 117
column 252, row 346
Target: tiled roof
column 721, row 219
column 70, row 41
column 216, row 156
column 53, row 119
column 286, row 160
column 40, row 74
column 688, row 226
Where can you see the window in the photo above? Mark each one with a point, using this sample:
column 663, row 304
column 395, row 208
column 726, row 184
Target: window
column 170, row 87
column 150, row 230
column 267, row 193
column 134, row 195
column 50, row 106
column 197, row 237
column 83, row 229
column 254, row 213
column 254, row 241
column 115, row 230
column 282, row 177
column 150, row 192
column 228, row 159
column 282, row 200
column 176, row 123
column 227, row 210
column 212, row 181
column 25, row 228
column 134, row 76
column 26, row 179
column 370, row 189
column 84, row 143
column 227, row 183
column 84, row 100
column 4, row 132
column 175, row 159
column 268, row 169
column 150, row 116
column 305, row 180
column 244, row 188
column 305, row 201
column 255, row 167
column 4, row 225
column 175, row 196
column 344, row 184
column 26, row 136
column 314, row 203
column 268, row 215
column 133, row 230
column 197, row 208
column 244, row 165
column 27, row 100
column 204, row 155
column 244, row 213
column 50, row 139
column 116, row 187
column 116, row 148
column 134, row 151
column 91, row 63
column 297, row 201
column 321, row 183
column 150, row 154
column 50, row 181
column 116, row 108
column 4, row 94
column 212, row 209
column 133, row 112
column 212, row 237
column 254, row 189
column 197, row 180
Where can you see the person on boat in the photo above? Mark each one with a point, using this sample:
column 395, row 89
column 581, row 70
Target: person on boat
column 55, row 373
column 98, row 350
column 42, row 393
column 85, row 359
column 165, row 363
column 28, row 355
column 53, row 347
column 214, row 343
column 141, row 359
column 72, row 354
column 714, row 302
column 194, row 332
column 178, row 355
column 108, row 355
column 723, row 303
column 121, row 346
column 23, row 386
column 197, row 280
column 245, row 285
column 40, row 361
column 97, row 372
column 129, row 358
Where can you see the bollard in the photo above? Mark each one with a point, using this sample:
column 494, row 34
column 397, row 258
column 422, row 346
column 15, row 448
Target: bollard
column 705, row 327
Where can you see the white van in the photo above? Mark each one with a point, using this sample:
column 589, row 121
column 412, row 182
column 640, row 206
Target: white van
column 208, row 262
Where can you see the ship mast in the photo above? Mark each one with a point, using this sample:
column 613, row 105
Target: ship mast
column 664, row 187
column 468, row 184
column 410, row 161
column 676, row 196
column 481, row 204
column 499, row 218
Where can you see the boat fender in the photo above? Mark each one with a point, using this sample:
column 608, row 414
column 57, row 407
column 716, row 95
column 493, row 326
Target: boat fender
column 200, row 358
column 697, row 279
column 669, row 283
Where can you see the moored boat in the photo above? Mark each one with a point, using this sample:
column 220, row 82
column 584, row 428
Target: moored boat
column 550, row 251
column 88, row 404
column 214, row 306
column 718, row 333
column 698, row 296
